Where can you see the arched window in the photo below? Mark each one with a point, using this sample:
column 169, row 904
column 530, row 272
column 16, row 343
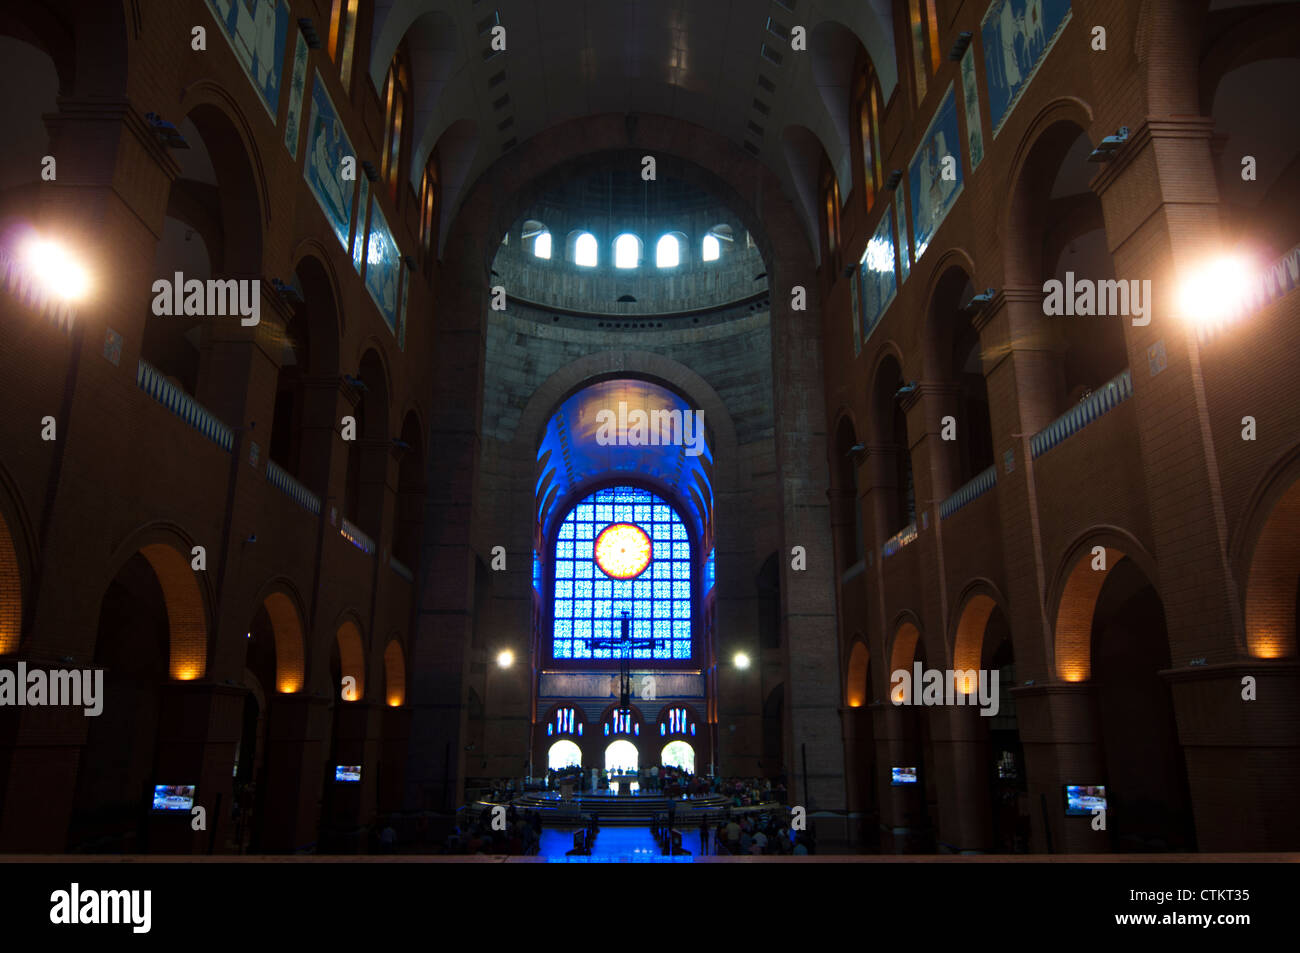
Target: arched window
column 536, row 236
column 585, row 251
column 831, row 206
column 668, row 252
column 641, row 566
column 343, row 37
column 868, row 105
column 395, row 91
column 563, row 754
column 429, row 210
column 924, row 22
column 627, row 251
column 711, row 249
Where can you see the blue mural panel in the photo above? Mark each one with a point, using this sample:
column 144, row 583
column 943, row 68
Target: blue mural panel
column 359, row 241
column 297, row 87
column 383, row 266
column 904, row 245
column 328, row 146
column 1017, row 36
column 932, row 192
column 970, row 98
column 879, row 282
column 256, row 31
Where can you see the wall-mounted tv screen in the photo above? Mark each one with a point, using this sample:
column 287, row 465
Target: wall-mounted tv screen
column 347, row 772
column 902, row 776
column 173, row 797
column 1082, row 799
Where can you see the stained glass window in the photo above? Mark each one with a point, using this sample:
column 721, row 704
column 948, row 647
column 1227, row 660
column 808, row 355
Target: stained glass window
column 588, row 604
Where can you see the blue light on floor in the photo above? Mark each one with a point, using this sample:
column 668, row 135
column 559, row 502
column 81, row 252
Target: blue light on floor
column 614, row 845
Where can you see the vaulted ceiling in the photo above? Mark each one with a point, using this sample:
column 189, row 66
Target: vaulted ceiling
column 707, row 62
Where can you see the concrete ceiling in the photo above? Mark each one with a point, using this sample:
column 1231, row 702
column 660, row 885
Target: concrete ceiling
column 699, row 61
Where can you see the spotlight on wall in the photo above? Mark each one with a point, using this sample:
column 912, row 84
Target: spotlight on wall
column 895, row 177
column 57, row 270
column 167, row 134
column 905, row 389
column 856, row 448
column 1108, row 146
column 741, row 660
column 371, row 172
column 959, row 46
column 286, row 291
column 1215, row 291
column 505, row 658
column 309, row 33
column 356, row 382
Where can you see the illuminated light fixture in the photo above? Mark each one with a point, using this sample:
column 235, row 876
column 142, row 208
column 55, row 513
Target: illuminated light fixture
column 895, row 177
column 356, row 382
column 1215, row 292
column 286, row 291
column 856, row 448
column 905, row 389
column 959, row 46
column 1108, row 146
column 623, row 551
column 58, row 272
column 979, row 301
column 167, row 134
column 309, row 33
column 741, row 660
column 505, row 658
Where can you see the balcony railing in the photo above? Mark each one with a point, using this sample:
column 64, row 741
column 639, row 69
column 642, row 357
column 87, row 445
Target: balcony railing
column 153, row 383
column 900, row 539
column 976, row 487
column 360, row 540
column 279, row 478
column 1110, row 395
column 400, row 568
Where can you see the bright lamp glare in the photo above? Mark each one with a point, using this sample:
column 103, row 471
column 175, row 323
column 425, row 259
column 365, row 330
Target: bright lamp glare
column 505, row 658
column 56, row 269
column 742, row 660
column 1216, row 292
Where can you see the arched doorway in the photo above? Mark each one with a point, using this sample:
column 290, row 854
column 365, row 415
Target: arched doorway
column 565, row 754
column 678, row 754
column 621, row 757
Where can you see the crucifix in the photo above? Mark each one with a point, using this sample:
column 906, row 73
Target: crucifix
column 625, row 645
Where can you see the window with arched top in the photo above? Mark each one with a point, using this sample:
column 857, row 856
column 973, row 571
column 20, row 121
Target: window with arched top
column 396, row 87
column 831, row 209
column 586, row 253
column 867, row 101
column 627, row 251
column 536, row 238
column 711, row 248
column 923, row 20
column 668, row 252
column 430, row 198
column 343, row 37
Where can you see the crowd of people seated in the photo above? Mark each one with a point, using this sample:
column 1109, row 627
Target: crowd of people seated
column 758, row 835
column 522, row 834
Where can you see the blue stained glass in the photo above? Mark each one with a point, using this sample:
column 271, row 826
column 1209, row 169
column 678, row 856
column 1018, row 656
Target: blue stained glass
column 586, row 602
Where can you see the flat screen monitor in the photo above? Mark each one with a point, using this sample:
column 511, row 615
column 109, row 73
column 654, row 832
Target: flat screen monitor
column 347, row 772
column 902, row 776
column 1081, row 800
column 173, row 797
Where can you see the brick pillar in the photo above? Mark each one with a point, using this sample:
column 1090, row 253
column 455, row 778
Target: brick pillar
column 897, row 743
column 962, row 756
column 1062, row 744
column 297, row 748
column 859, row 762
column 356, row 739
column 1161, row 203
column 199, row 728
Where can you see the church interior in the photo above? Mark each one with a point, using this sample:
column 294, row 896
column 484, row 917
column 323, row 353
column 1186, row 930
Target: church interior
column 649, row 428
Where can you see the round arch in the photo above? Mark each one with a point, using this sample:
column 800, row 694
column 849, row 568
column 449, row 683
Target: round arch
column 283, row 607
column 678, row 753
column 562, row 754
column 1267, row 552
column 857, row 690
column 622, row 756
column 352, row 659
column 1076, row 589
column 394, row 674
